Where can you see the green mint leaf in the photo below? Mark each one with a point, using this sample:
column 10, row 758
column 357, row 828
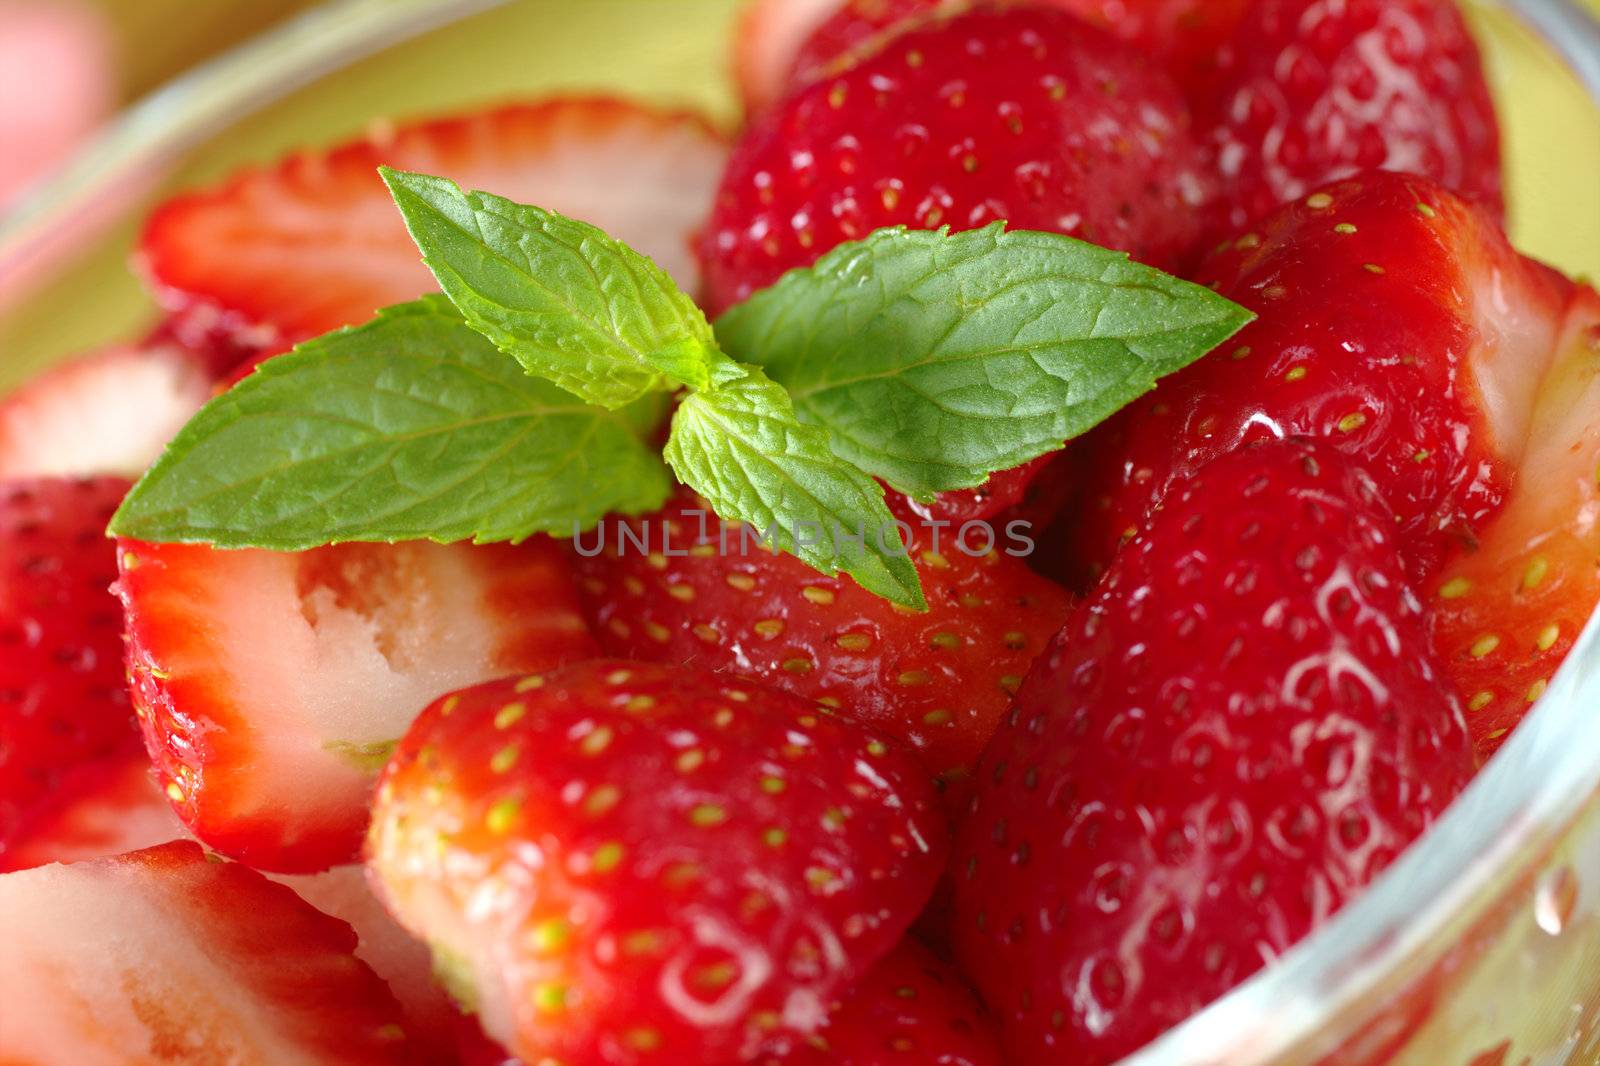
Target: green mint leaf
column 412, row 426
column 569, row 303
column 741, row 447
column 934, row 359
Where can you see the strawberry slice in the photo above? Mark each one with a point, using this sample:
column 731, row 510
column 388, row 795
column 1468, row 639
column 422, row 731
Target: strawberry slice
column 110, row 412
column 620, row 862
column 62, row 698
column 271, row 686
column 1508, row 609
column 166, row 955
column 1239, row 730
column 314, row 242
column 682, row 586
column 400, row 959
column 1022, row 114
column 1395, row 322
column 99, row 808
column 910, row 1008
column 1311, row 92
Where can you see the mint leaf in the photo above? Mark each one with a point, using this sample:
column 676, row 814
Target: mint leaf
column 410, row 427
column 934, row 359
column 741, row 448
column 569, row 303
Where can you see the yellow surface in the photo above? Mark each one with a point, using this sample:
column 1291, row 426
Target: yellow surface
column 677, row 51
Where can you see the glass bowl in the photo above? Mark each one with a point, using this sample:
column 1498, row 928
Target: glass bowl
column 1480, row 947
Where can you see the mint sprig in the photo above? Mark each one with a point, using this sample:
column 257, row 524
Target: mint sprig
column 520, row 401
column 411, row 427
column 935, row 359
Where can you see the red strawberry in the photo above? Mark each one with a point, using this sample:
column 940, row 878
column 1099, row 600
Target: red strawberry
column 1395, row 322
column 1185, row 37
column 107, row 413
column 1024, row 114
column 938, row 681
column 1028, row 492
column 271, row 686
column 1507, row 611
column 400, row 959
column 618, row 862
column 909, row 1009
column 1228, row 741
column 314, row 242
column 1311, row 92
column 768, row 35
column 62, row 700
column 100, row 808
column 167, row 955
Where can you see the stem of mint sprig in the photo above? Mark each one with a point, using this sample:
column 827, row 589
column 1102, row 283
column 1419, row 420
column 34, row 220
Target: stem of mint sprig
column 520, row 401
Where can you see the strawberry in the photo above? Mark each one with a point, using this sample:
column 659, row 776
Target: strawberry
column 400, row 959
column 314, row 242
column 1311, row 92
column 910, row 1008
column 1022, row 114
column 1185, row 37
column 937, row 681
column 271, row 686
column 99, row 808
column 1234, row 735
column 166, row 955
column 620, row 862
column 1395, row 322
column 768, row 35
column 1507, row 610
column 62, row 700
column 110, row 412
column 1028, row 492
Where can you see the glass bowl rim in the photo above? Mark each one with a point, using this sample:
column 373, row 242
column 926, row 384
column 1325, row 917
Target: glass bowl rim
column 1545, row 776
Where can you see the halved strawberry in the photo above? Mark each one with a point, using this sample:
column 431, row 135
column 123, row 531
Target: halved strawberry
column 62, row 698
column 626, row 863
column 100, row 808
column 1396, row 322
column 166, row 955
column 400, row 959
column 682, row 586
column 271, row 686
column 1507, row 609
column 110, row 412
column 314, row 242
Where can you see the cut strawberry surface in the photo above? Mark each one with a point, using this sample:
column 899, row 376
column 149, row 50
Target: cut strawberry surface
column 166, row 955
column 110, row 412
column 910, row 1008
column 1311, row 92
column 1507, row 611
column 1237, row 732
column 62, row 698
column 1021, row 114
column 106, row 807
column 314, row 242
column 684, row 587
column 272, row 686
column 620, row 862
column 1395, row 322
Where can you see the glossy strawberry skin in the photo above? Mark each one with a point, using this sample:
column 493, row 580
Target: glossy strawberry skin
column 230, row 262
column 269, row 686
column 910, row 1009
column 1024, row 114
column 1185, row 37
column 636, row 863
column 1237, row 732
column 1395, row 322
column 1312, row 92
column 937, row 681
column 62, row 698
